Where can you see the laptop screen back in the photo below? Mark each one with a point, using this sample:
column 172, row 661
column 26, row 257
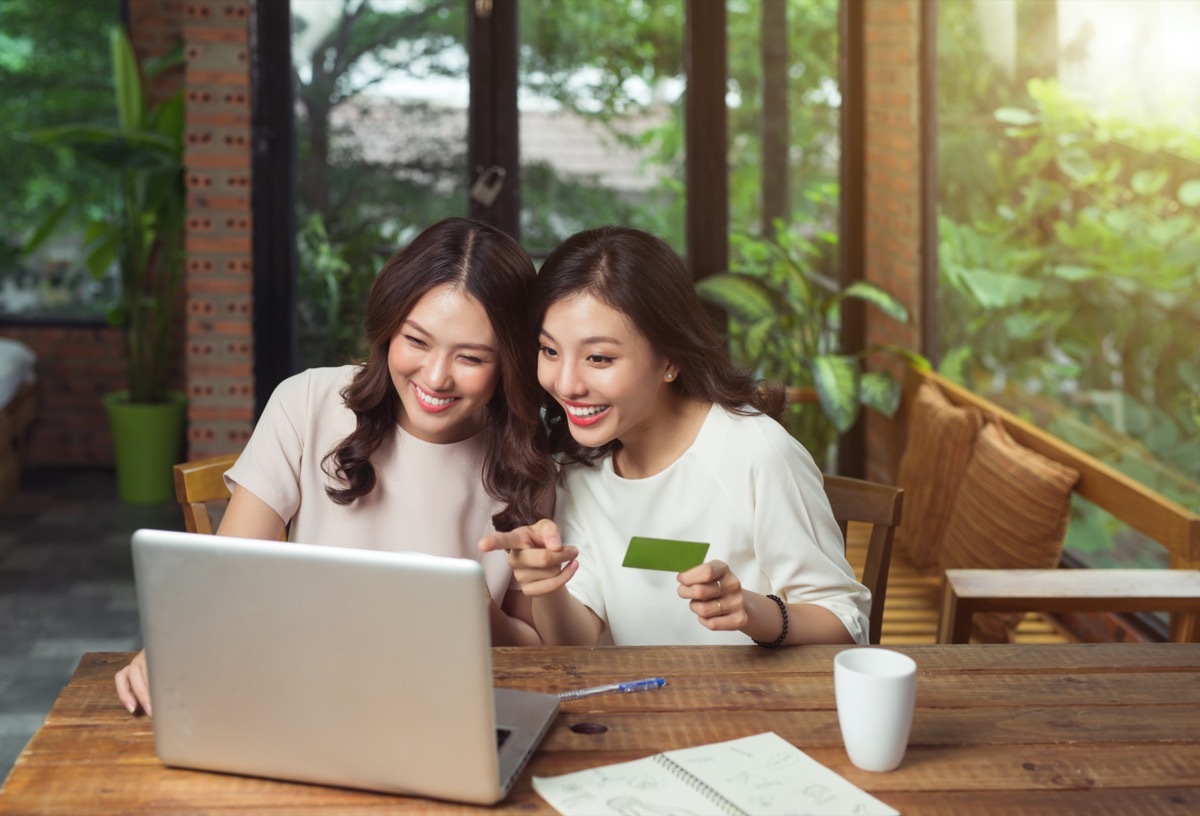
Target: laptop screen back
column 321, row 664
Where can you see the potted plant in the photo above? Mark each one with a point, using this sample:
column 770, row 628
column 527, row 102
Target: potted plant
column 784, row 323
column 143, row 235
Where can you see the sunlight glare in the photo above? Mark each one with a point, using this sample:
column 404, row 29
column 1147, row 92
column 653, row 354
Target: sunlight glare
column 1141, row 55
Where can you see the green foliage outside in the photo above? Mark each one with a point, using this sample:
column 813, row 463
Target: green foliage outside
column 54, row 70
column 781, row 291
column 354, row 210
column 785, row 319
column 603, row 62
column 142, row 158
column 1070, row 275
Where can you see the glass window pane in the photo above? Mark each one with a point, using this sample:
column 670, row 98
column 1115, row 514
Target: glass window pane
column 783, row 80
column 54, row 70
column 601, row 118
column 784, row 116
column 1069, row 232
column 381, row 121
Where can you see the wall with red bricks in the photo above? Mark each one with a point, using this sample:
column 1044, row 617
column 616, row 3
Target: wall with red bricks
column 77, row 366
column 892, row 201
column 219, row 353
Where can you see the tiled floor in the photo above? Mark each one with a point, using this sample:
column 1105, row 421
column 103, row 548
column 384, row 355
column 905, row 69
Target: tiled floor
column 66, row 587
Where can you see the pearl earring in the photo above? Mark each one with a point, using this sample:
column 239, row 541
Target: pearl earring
column 670, row 377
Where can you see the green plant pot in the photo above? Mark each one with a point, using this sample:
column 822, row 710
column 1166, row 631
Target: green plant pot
column 147, row 443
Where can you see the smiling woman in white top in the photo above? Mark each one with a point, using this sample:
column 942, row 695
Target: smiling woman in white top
column 430, row 443
column 661, row 436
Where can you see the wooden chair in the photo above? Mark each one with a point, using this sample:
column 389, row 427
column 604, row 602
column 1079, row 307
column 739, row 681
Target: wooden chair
column 200, row 482
column 878, row 505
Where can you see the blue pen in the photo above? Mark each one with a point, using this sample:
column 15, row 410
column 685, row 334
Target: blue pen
column 632, row 685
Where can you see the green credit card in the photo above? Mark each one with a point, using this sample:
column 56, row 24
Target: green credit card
column 664, row 554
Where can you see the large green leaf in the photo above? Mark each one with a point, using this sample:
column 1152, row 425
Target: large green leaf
column 912, row 358
column 756, row 338
column 1164, row 233
column 1086, row 533
column 1189, row 193
column 879, row 390
column 168, row 119
column 101, row 242
column 1077, row 163
column 877, row 297
column 47, row 227
column 953, row 364
column 995, row 290
column 153, row 66
column 1069, row 272
column 127, row 82
column 1149, row 182
column 745, row 298
column 836, row 377
column 1015, row 116
column 112, row 147
column 1023, row 326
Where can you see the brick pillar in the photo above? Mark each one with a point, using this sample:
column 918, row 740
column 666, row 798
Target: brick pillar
column 154, row 29
column 219, row 350
column 892, row 200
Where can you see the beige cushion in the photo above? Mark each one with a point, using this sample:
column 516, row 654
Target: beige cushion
column 1011, row 512
column 941, row 438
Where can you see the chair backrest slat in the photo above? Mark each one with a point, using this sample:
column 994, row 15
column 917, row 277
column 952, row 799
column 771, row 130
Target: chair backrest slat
column 200, row 482
column 880, row 506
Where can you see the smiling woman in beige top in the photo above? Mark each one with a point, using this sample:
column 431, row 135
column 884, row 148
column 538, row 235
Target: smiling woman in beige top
column 431, row 443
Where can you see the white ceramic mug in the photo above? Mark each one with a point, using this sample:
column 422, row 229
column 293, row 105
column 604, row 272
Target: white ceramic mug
column 875, row 690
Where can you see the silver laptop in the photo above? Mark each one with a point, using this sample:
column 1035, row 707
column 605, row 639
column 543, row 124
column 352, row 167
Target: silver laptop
column 329, row 665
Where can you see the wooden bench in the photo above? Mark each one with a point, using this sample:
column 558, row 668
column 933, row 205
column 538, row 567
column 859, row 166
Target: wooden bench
column 967, row 591
column 1077, row 590
column 913, row 602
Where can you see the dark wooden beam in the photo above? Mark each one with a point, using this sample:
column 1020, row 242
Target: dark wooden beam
column 852, row 228
column 706, row 172
column 273, row 163
column 493, row 148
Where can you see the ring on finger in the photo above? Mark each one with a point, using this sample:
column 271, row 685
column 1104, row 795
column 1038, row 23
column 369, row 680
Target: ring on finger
column 720, row 591
column 720, row 608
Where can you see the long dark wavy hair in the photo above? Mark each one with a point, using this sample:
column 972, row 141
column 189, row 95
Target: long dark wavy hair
column 641, row 277
column 491, row 267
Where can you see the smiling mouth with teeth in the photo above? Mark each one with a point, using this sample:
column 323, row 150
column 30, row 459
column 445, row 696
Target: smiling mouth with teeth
column 585, row 414
column 432, row 401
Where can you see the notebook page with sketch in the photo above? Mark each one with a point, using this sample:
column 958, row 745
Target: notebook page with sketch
column 764, row 775
column 329, row 665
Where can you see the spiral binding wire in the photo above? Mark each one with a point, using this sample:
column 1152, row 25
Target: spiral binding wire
column 696, row 783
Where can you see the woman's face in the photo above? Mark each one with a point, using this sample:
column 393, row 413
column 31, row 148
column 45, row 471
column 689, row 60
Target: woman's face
column 601, row 370
column 445, row 365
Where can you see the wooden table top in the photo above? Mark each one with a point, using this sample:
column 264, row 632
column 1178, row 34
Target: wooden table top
column 1074, row 728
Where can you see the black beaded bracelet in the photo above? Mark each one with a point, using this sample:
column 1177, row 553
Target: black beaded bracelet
column 782, row 635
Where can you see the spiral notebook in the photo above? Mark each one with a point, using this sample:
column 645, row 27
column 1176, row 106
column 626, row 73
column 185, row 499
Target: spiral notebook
column 764, row 775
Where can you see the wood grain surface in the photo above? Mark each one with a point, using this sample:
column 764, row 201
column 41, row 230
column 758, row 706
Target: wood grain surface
column 1069, row 728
